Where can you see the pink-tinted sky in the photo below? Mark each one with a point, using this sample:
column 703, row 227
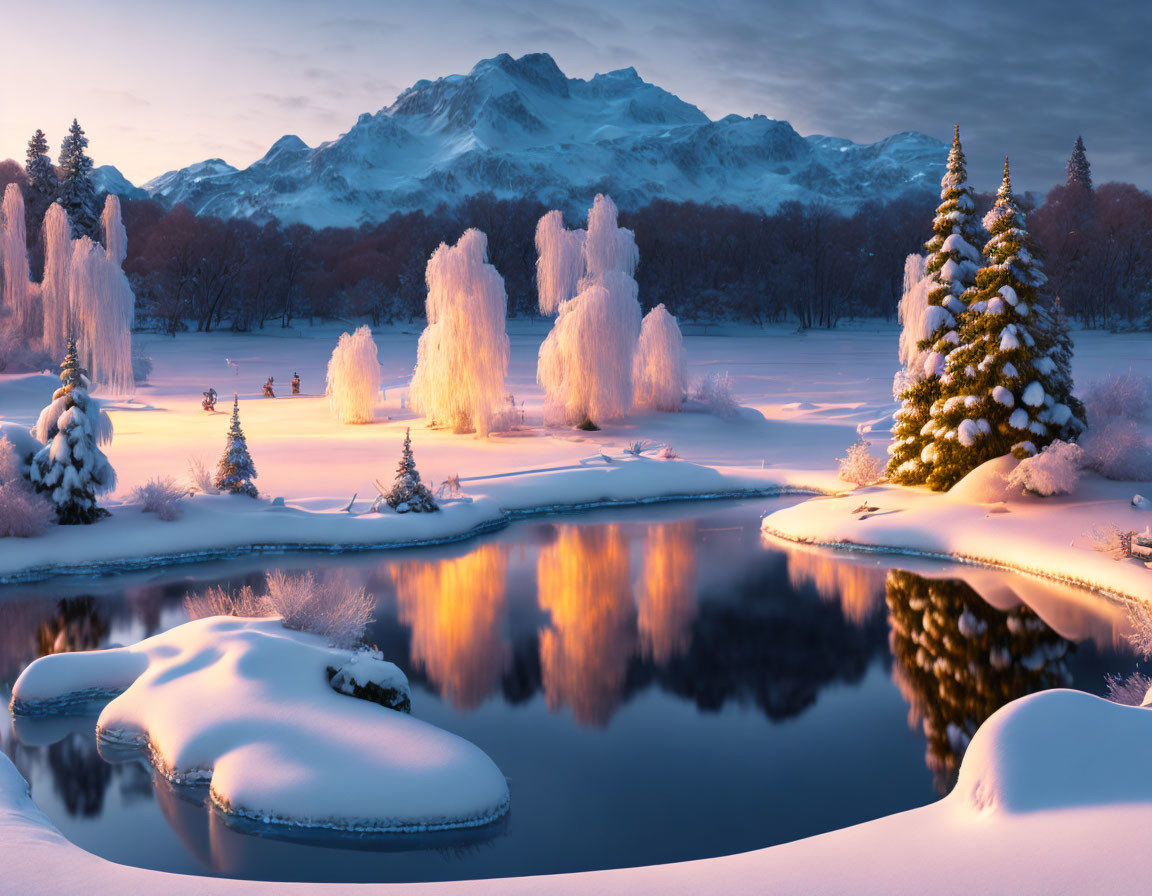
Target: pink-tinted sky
column 160, row 85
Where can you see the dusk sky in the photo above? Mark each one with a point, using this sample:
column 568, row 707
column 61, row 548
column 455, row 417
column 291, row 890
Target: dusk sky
column 158, row 86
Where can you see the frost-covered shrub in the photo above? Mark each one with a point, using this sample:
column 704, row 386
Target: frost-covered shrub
column 1054, row 471
column 1117, row 449
column 1118, row 396
column 714, row 392
column 660, row 368
column 200, row 477
column 333, row 609
column 462, row 358
column 1105, row 539
column 1140, row 617
column 1130, row 690
column 354, row 377
column 162, row 497
column 23, row 513
column 858, row 466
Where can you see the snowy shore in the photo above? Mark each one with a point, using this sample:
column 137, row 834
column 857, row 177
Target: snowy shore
column 1035, row 802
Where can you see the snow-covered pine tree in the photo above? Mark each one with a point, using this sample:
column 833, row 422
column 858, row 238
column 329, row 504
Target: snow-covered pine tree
column 42, row 186
column 1063, row 412
column 71, row 469
column 77, row 193
column 994, row 397
column 235, row 472
column 1079, row 171
column 408, row 493
column 951, row 266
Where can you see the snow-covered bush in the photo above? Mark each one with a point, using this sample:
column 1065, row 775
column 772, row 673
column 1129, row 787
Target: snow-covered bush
column 162, row 497
column 354, row 377
column 858, row 466
column 1130, row 690
column 17, row 354
column 1117, row 449
column 1105, row 539
column 660, row 368
column 1054, row 471
column 23, row 513
column 462, row 358
column 333, row 609
column 1118, row 396
column 1140, row 618
column 714, row 392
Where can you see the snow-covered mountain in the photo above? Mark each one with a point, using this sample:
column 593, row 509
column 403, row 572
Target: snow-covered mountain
column 108, row 179
column 520, row 127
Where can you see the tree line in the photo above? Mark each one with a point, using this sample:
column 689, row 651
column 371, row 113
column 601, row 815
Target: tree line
column 804, row 263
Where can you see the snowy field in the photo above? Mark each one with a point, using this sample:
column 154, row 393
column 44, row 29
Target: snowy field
column 803, row 395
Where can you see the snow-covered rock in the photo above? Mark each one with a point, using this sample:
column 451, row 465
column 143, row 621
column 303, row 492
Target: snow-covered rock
column 246, row 704
column 520, row 127
column 369, row 677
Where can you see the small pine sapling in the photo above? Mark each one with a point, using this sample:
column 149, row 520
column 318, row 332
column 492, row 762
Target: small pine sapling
column 235, row 471
column 408, row 493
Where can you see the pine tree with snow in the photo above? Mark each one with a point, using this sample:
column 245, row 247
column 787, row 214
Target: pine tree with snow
column 71, row 469
column 1079, row 171
column 235, row 471
column 995, row 390
column 408, row 493
column 77, row 192
column 42, row 186
column 951, row 266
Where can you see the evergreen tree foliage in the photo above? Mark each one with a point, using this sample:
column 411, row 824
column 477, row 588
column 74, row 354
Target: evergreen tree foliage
column 42, row 186
column 71, row 469
column 958, row 659
column 1079, row 171
column 77, row 193
column 951, row 266
column 235, row 471
column 408, row 492
column 1000, row 388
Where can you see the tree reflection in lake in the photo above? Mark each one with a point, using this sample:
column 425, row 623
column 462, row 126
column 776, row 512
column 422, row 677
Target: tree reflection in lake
column 666, row 591
column 584, row 581
column 958, row 659
column 455, row 608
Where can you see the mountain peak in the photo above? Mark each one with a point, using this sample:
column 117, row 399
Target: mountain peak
column 538, row 69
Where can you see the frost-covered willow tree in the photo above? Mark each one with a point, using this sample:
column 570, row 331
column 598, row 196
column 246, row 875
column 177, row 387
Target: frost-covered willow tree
column 56, row 234
column 660, row 367
column 585, row 363
column 102, row 305
column 353, row 382
column 951, row 266
column 20, row 296
column 71, row 469
column 462, row 358
column 1000, row 385
column 559, row 262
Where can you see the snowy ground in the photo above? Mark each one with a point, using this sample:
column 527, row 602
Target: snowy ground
column 1051, row 797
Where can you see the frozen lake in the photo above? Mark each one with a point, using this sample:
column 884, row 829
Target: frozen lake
column 658, row 684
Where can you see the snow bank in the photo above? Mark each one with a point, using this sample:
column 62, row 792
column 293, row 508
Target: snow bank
column 983, row 520
column 247, row 705
column 1056, row 777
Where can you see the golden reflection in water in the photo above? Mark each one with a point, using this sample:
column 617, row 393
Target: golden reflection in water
column 858, row 588
column 456, row 611
column 584, row 582
column 667, row 591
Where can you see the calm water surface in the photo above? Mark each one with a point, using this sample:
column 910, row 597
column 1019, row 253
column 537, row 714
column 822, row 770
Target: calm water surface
column 658, row 685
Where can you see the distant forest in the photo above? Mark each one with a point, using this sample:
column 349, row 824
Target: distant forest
column 803, row 263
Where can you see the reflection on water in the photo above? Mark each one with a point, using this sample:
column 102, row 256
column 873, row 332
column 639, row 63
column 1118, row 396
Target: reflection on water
column 667, row 591
column 585, row 582
column 703, row 683
column 958, row 660
column 455, row 609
